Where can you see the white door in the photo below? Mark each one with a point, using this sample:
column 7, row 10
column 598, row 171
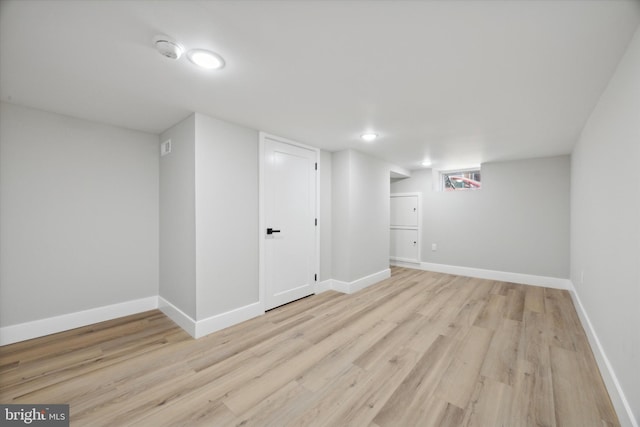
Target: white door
column 289, row 221
column 404, row 211
column 404, row 244
column 404, row 235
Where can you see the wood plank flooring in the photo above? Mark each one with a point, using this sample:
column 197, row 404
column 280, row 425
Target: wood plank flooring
column 419, row 349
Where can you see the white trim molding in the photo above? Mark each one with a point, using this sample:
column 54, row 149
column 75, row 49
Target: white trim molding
column 51, row 325
column 181, row 318
column 359, row 284
column 618, row 398
column 224, row 320
column 323, row 286
column 405, row 262
column 503, row 276
column 200, row 328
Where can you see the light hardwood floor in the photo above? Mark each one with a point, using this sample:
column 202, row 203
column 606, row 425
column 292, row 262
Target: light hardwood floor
column 419, row 349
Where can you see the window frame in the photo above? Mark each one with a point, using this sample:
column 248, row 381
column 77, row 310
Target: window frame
column 443, row 173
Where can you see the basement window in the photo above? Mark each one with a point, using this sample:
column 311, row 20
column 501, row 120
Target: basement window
column 465, row 179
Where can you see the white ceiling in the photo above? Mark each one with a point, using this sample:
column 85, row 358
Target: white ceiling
column 459, row 82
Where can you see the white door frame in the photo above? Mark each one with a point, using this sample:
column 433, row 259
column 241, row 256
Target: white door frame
column 263, row 136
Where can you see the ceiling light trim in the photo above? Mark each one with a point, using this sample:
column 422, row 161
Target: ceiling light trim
column 369, row 136
column 206, row 59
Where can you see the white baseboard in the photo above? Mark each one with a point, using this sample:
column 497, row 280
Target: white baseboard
column 52, row 325
column 323, row 286
column 211, row 324
column 340, row 286
column 618, row 398
column 181, row 318
column 404, row 260
column 363, row 282
column 503, row 276
column 224, row 320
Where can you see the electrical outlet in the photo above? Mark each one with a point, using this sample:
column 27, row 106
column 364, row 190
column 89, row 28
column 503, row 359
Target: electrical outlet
column 434, row 247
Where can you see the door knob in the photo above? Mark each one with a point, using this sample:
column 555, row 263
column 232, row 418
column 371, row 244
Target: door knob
column 271, row 231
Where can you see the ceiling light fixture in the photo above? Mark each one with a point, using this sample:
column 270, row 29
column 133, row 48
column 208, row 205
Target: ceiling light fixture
column 426, row 163
column 368, row 137
column 206, row 59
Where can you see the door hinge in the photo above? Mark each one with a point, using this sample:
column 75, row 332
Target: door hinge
column 316, row 222
column 316, row 165
column 315, row 277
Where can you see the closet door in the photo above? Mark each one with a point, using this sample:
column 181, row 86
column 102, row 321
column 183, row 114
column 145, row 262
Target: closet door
column 404, row 211
column 404, row 244
column 289, row 184
column 405, row 228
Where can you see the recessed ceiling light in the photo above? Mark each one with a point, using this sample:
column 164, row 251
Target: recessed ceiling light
column 426, row 163
column 368, row 137
column 206, row 59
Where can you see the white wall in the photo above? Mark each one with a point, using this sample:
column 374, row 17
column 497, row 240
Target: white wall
column 325, row 215
column 605, row 218
column 78, row 215
column 369, row 215
column 178, row 218
column 340, row 215
column 226, row 162
column 209, row 217
column 518, row 222
column 360, row 221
